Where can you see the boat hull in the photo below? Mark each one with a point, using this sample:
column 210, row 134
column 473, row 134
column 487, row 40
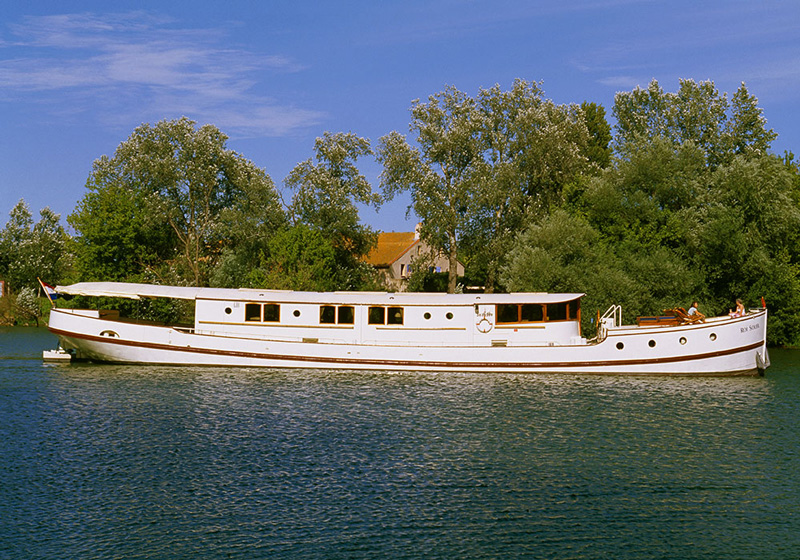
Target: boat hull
column 721, row 346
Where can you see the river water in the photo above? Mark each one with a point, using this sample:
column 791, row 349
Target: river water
column 101, row 461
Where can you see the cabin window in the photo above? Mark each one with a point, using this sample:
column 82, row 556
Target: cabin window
column 272, row 313
column 534, row 312
column 330, row 314
column 252, row 312
column 395, row 316
column 574, row 309
column 531, row 312
column 385, row 316
column 347, row 315
column 327, row 314
column 520, row 313
column 376, row 316
column 507, row 313
column 556, row 311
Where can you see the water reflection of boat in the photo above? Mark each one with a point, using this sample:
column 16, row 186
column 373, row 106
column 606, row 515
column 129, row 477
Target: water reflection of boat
column 524, row 332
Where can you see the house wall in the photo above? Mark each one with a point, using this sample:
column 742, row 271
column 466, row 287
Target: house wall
column 397, row 274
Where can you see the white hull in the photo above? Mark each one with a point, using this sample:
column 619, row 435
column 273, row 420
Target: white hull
column 720, row 346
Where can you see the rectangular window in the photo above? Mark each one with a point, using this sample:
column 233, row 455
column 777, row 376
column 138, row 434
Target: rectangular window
column 531, row 312
column 252, row 312
column 574, row 309
column 557, row 312
column 347, row 315
column 395, row 316
column 507, row 313
column 327, row 314
column 272, row 313
column 376, row 316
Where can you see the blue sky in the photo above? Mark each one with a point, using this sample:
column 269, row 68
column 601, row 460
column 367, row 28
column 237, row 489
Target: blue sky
column 77, row 77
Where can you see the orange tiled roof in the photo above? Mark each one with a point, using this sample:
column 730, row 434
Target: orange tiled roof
column 390, row 247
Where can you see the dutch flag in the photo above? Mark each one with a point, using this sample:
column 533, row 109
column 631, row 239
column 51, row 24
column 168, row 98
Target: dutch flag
column 49, row 291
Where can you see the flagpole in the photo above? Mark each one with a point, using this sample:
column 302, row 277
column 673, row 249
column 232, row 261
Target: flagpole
column 52, row 304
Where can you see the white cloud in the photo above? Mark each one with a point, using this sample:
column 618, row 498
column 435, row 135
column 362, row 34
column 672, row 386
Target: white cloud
column 139, row 67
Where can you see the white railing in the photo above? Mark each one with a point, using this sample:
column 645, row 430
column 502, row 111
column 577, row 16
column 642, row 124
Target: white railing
column 610, row 319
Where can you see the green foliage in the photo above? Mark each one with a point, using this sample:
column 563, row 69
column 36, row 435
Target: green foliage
column 298, row 258
column 482, row 165
column 118, row 237
column 532, row 149
column 168, row 203
column 325, row 197
column 695, row 113
column 27, row 304
column 441, row 173
column 31, row 250
column 564, row 253
column 598, row 148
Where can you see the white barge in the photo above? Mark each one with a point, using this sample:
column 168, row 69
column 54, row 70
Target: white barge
column 523, row 332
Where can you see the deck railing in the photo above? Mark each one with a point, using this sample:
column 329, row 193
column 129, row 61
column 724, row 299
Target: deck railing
column 610, row 319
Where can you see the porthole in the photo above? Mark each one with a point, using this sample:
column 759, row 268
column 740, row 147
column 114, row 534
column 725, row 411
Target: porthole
column 296, row 313
column 682, row 340
column 228, row 311
column 713, row 337
column 427, row 315
column 620, row 346
column 652, row 344
column 449, row 315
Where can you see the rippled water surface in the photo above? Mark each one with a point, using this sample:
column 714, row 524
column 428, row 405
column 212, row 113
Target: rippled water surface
column 172, row 463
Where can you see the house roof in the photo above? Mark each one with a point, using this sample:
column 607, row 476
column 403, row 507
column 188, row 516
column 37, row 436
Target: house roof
column 390, row 247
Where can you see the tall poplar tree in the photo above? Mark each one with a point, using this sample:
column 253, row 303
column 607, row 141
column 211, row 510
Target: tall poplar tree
column 441, row 173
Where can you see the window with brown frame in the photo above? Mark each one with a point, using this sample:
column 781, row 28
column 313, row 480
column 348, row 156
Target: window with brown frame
column 346, row 315
column 385, row 315
column 395, row 316
column 272, row 313
column 252, row 312
column 331, row 314
column 376, row 316
column 520, row 313
column 536, row 313
column 327, row 314
column 557, row 312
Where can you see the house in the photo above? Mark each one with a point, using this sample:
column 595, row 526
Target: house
column 396, row 254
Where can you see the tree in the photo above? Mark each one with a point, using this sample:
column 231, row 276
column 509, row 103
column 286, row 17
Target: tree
column 161, row 206
column 31, row 250
column 598, row 150
column 696, row 113
column 441, row 174
column 564, row 253
column 118, row 240
column 297, row 258
column 246, row 229
column 531, row 148
column 326, row 194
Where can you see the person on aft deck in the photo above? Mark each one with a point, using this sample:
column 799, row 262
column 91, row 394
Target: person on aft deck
column 739, row 311
column 695, row 314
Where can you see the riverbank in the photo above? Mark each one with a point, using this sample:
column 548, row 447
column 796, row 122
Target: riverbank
column 11, row 315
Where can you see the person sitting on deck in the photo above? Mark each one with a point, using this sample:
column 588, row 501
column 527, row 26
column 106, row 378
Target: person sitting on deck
column 740, row 311
column 694, row 314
